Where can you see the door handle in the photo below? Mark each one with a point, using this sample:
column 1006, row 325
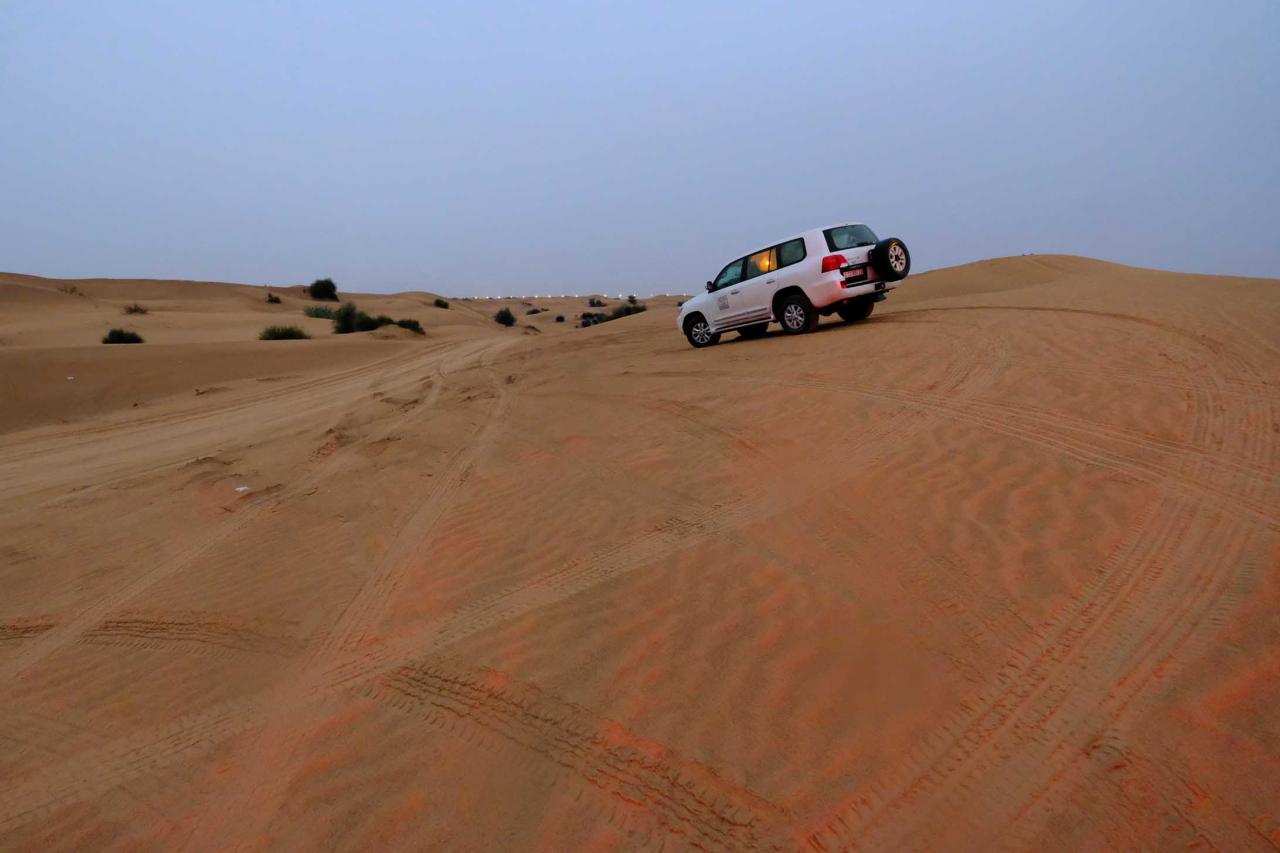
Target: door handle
column 770, row 280
column 732, row 292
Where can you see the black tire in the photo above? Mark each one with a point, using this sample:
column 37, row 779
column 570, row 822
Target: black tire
column 890, row 259
column 856, row 310
column 756, row 331
column 699, row 333
column 797, row 315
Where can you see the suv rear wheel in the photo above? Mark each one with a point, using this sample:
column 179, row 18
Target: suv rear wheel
column 699, row 333
column 856, row 309
column 797, row 315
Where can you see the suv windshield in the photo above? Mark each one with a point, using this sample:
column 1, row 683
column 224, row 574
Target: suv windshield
column 849, row 237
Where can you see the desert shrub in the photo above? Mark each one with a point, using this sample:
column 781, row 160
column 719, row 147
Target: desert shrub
column 283, row 333
column 344, row 319
column 122, row 336
column 559, row 318
column 323, row 289
column 348, row 318
column 273, row 299
column 681, row 302
column 135, row 308
column 442, row 303
column 592, row 318
column 322, row 312
column 534, row 311
column 625, row 310
column 596, row 303
column 504, row 317
column 631, row 300
column 70, row 290
column 412, row 325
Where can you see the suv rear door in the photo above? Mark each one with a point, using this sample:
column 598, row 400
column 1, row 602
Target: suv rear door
column 790, row 269
column 759, row 278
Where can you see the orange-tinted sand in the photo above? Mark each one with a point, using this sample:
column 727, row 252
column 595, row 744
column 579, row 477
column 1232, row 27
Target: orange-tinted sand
column 999, row 567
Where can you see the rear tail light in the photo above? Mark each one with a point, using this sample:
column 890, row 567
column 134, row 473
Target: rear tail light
column 831, row 263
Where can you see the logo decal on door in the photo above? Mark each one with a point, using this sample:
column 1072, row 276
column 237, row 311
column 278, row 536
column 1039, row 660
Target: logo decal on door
column 722, row 302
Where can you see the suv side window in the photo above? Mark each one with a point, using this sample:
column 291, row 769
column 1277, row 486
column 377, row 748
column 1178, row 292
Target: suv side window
column 732, row 274
column 791, row 252
column 761, row 262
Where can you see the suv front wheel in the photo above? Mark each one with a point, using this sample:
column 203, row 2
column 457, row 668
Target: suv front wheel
column 797, row 315
column 699, row 333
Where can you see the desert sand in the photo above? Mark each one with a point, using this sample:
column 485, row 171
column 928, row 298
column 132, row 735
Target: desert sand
column 997, row 568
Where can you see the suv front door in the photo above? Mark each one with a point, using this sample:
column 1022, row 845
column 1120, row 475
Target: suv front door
column 726, row 295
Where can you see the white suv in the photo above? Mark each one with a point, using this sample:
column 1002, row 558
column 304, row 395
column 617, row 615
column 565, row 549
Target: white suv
column 843, row 270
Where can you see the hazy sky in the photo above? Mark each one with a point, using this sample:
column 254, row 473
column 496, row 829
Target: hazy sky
column 486, row 148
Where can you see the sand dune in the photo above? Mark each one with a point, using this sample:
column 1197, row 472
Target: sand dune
column 997, row 568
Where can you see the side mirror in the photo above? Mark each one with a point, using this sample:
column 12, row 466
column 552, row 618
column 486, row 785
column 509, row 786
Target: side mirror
column 711, row 286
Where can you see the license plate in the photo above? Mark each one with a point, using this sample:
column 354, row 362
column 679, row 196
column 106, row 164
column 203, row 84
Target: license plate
column 856, row 275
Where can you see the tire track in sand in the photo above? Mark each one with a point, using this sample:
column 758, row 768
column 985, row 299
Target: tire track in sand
column 284, row 709
column 214, row 634
column 1006, row 753
column 1078, row 443
column 666, row 538
column 258, row 790
column 71, row 630
column 225, row 721
column 685, row 799
column 122, row 759
column 198, row 430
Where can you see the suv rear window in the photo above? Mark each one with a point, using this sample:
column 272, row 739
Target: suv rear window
column 849, row 237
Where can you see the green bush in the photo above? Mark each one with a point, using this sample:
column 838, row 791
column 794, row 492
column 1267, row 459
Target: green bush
column 505, row 317
column 283, row 333
column 121, row 336
column 322, row 312
column 348, row 318
column 323, row 289
column 344, row 319
column 559, row 318
column 412, row 325
column 596, row 303
column 592, row 318
column 631, row 300
column 625, row 310
column 442, row 303
column 273, row 299
column 135, row 308
column 534, row 311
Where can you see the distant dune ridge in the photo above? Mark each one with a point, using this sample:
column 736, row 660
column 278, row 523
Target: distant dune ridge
column 998, row 567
